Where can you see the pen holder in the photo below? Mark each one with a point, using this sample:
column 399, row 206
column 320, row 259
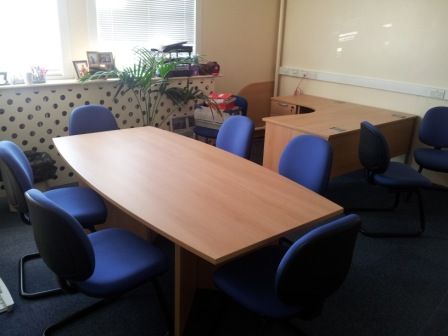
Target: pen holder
column 39, row 79
column 39, row 75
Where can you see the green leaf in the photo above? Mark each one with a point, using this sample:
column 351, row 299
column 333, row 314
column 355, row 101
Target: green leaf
column 149, row 77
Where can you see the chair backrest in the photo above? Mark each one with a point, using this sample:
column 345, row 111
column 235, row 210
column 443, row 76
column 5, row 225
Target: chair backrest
column 235, row 135
column 307, row 161
column 433, row 128
column 90, row 119
column 373, row 149
column 17, row 175
column 316, row 265
column 60, row 239
column 241, row 102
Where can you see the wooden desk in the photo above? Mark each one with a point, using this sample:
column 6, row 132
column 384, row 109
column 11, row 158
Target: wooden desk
column 339, row 123
column 213, row 205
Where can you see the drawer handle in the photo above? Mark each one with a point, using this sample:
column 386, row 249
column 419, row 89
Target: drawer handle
column 283, row 104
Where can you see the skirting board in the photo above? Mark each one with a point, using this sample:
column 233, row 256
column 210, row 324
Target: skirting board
column 368, row 82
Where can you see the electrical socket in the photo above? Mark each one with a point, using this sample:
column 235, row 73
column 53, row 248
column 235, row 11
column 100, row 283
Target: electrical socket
column 294, row 72
column 283, row 71
column 309, row 74
column 437, row 93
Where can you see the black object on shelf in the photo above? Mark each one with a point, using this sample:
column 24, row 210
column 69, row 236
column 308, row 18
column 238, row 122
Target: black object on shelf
column 42, row 164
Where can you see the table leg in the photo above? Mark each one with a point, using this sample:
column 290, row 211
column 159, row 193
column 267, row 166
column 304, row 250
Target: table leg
column 184, row 287
column 119, row 218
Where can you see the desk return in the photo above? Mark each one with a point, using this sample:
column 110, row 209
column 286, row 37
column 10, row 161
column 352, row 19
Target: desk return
column 336, row 121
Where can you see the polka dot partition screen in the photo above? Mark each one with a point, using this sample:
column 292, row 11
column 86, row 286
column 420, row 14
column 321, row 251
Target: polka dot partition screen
column 31, row 116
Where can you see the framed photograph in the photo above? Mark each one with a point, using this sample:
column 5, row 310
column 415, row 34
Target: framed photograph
column 81, row 68
column 100, row 60
column 106, row 58
column 93, row 59
column 3, row 78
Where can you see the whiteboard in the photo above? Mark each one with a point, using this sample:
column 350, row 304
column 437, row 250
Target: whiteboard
column 399, row 40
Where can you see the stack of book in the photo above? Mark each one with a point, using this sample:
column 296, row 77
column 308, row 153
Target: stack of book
column 225, row 101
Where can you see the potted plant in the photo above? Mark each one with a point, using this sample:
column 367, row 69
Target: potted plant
column 148, row 80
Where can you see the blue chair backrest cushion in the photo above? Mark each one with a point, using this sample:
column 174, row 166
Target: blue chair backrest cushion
column 434, row 126
column 17, row 174
column 317, row 264
column 373, row 149
column 60, row 239
column 307, row 161
column 235, row 135
column 91, row 118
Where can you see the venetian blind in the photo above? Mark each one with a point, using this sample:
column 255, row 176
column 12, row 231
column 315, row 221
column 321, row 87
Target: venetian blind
column 125, row 24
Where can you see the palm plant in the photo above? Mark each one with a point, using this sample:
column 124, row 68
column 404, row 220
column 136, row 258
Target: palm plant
column 148, row 81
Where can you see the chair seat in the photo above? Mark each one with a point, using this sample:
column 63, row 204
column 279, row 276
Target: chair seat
column 122, row 261
column 205, row 132
column 82, row 203
column 250, row 281
column 400, row 175
column 433, row 159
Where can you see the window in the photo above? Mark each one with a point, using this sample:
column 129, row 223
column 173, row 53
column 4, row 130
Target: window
column 30, row 36
column 121, row 25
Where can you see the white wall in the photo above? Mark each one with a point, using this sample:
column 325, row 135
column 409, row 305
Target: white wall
column 412, row 50
column 241, row 36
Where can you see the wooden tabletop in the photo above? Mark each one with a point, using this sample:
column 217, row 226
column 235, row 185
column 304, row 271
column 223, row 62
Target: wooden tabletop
column 333, row 117
column 210, row 202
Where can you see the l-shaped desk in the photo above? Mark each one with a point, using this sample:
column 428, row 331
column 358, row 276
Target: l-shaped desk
column 339, row 123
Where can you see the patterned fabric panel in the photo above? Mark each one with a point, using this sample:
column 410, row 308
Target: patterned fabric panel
column 31, row 116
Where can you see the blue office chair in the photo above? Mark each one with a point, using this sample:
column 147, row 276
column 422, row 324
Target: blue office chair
column 235, row 136
column 90, row 119
column 307, row 161
column 82, row 203
column 282, row 282
column 103, row 264
column 434, row 132
column 398, row 177
column 210, row 133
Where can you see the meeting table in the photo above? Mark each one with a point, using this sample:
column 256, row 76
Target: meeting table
column 212, row 205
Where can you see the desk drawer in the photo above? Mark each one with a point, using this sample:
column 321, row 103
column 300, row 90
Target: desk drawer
column 279, row 108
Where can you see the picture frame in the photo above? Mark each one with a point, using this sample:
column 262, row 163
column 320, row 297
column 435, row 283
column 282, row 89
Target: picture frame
column 106, row 58
column 103, row 61
column 93, row 59
column 3, row 78
column 81, row 68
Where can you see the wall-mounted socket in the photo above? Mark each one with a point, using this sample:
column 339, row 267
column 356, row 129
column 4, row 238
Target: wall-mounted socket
column 437, row 93
column 294, row 72
column 283, row 71
column 309, row 74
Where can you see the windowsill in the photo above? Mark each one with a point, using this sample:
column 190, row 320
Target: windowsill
column 57, row 82
column 61, row 82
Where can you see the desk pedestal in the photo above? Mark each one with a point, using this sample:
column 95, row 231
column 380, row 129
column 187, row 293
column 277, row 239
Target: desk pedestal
column 344, row 145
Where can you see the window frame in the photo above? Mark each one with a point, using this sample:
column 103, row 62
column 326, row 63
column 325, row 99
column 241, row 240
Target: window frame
column 64, row 29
